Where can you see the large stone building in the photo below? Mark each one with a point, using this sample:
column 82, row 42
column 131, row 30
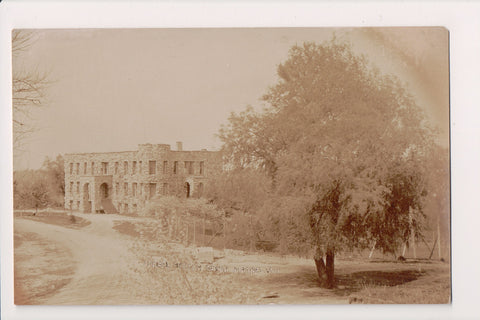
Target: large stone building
column 124, row 182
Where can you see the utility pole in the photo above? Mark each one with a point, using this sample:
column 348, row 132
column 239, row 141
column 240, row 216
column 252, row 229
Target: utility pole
column 412, row 233
column 438, row 238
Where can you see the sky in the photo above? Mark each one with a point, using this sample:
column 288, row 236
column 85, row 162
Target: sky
column 112, row 89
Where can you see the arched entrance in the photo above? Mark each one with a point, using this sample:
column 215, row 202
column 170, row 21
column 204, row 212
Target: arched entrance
column 86, row 192
column 87, row 204
column 103, row 191
column 187, row 189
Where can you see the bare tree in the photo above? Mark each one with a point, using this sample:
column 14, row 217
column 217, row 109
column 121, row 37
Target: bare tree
column 28, row 94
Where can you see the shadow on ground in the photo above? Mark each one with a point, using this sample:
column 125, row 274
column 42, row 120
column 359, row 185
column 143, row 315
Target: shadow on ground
column 353, row 282
column 305, row 278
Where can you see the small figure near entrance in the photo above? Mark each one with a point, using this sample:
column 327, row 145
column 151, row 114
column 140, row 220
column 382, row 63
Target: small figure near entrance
column 104, row 191
column 187, row 189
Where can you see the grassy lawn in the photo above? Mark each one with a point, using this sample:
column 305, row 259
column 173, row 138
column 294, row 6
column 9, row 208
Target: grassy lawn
column 41, row 268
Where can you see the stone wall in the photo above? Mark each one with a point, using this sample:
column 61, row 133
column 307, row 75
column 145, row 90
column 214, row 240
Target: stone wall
column 129, row 179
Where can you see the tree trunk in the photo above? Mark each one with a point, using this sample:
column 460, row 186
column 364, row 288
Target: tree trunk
column 325, row 271
column 330, row 259
column 321, row 269
column 322, row 272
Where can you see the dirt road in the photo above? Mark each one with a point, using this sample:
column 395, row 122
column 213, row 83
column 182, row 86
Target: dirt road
column 101, row 258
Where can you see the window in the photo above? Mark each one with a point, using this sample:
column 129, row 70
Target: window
column 125, row 167
column 93, row 168
column 152, row 166
column 140, row 167
column 165, row 167
column 134, row 167
column 189, row 167
column 78, row 186
column 78, row 205
column 71, row 186
column 117, row 186
column 71, row 168
column 125, row 188
column 104, row 167
column 78, row 168
column 134, row 189
column 202, row 167
column 200, row 190
column 175, row 167
column 84, row 168
column 140, row 191
column 152, row 190
column 116, row 167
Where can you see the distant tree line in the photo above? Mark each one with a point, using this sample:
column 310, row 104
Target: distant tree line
column 41, row 188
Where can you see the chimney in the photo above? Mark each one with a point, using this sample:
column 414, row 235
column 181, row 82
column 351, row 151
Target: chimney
column 179, row 146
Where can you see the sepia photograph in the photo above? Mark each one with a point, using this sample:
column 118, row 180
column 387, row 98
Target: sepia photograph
column 231, row 166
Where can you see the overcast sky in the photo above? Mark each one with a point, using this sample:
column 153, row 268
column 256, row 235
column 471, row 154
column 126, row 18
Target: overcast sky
column 114, row 89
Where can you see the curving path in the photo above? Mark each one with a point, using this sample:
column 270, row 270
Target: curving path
column 102, row 261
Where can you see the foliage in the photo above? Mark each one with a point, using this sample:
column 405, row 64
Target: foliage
column 343, row 143
column 165, row 206
column 284, row 220
column 242, row 189
column 30, row 189
column 40, row 188
column 437, row 206
column 55, row 174
column 402, row 215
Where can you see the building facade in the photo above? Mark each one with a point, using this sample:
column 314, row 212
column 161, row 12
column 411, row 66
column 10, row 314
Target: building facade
column 124, row 182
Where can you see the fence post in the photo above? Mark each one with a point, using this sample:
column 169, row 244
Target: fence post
column 373, row 249
column 224, row 231
column 251, row 231
column 203, row 238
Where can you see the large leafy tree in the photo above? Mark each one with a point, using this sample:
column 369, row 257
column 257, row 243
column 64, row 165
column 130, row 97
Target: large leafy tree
column 55, row 175
column 343, row 140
